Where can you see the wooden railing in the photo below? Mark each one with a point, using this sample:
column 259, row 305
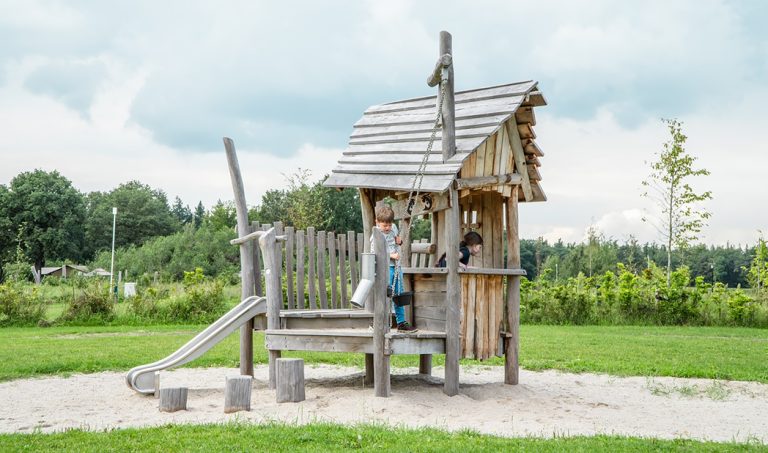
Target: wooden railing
column 320, row 269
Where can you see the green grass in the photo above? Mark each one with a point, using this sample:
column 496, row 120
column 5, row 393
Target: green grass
column 704, row 352
column 323, row 437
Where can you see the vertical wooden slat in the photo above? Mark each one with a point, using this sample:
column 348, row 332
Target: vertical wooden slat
column 503, row 156
column 312, row 277
column 300, row 289
column 361, row 247
column 511, row 357
column 352, row 251
column 332, row 267
column 480, row 315
column 290, row 292
column 471, row 298
column 321, row 289
column 489, row 212
column 433, row 239
column 344, row 299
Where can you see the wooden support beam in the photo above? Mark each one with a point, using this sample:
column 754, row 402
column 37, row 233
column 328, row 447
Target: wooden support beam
column 423, row 247
column 274, row 299
column 483, row 181
column 381, row 317
column 369, row 217
column 247, row 274
column 519, row 155
column 453, row 298
column 512, row 342
column 525, row 115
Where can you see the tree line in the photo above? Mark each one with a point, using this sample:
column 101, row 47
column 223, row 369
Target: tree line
column 45, row 220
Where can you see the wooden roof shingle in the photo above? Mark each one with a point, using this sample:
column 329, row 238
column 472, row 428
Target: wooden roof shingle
column 388, row 143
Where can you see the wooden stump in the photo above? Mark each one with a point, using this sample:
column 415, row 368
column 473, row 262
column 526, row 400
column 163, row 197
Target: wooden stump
column 173, row 399
column 290, row 380
column 237, row 396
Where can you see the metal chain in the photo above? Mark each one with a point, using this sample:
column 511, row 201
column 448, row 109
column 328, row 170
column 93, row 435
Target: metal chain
column 420, row 172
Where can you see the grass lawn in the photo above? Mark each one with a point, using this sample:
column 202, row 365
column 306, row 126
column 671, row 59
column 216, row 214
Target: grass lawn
column 718, row 353
column 326, row 437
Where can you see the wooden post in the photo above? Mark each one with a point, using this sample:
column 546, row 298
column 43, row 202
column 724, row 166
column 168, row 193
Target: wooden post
column 449, row 118
column 368, row 379
column 257, row 261
column 279, row 259
column 290, row 380
column 425, row 363
column 381, row 317
column 173, row 399
column 512, row 343
column 268, row 245
column 237, row 396
column 369, row 217
column 453, row 297
column 248, row 285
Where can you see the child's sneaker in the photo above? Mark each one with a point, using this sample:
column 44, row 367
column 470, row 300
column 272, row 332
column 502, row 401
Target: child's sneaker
column 405, row 327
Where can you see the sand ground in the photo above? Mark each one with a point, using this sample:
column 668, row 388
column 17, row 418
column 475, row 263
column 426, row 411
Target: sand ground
column 543, row 404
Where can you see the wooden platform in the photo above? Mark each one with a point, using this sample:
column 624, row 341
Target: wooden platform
column 354, row 340
column 325, row 319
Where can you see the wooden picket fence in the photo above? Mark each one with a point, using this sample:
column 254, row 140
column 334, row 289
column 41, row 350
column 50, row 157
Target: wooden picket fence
column 320, row 269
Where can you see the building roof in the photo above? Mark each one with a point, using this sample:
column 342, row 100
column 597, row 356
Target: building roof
column 388, row 143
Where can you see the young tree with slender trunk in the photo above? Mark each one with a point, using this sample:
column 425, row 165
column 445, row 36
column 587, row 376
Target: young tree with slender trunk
column 678, row 216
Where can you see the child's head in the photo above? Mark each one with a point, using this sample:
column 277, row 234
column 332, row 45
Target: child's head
column 473, row 241
column 384, row 218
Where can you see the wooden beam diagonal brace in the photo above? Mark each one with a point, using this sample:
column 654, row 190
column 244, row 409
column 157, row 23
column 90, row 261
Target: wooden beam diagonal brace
column 519, row 155
column 438, row 73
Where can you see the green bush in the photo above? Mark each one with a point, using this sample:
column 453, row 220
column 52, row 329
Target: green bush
column 202, row 302
column 20, row 305
column 92, row 304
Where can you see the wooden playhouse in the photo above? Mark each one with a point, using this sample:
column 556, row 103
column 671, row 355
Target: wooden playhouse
column 472, row 168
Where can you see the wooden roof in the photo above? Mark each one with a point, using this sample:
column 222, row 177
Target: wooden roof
column 388, row 143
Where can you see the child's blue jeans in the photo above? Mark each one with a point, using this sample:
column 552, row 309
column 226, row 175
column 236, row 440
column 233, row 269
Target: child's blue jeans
column 397, row 288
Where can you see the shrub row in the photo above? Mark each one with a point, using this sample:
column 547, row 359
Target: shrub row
column 645, row 298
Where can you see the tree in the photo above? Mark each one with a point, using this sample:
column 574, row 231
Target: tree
column 273, row 207
column 199, row 214
column 757, row 273
column 48, row 215
column 679, row 217
column 181, row 212
column 305, row 202
column 142, row 213
column 222, row 216
column 341, row 210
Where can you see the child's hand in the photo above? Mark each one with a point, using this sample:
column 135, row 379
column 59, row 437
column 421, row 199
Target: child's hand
column 395, row 256
column 398, row 240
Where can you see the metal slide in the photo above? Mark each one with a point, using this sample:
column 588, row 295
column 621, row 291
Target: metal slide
column 142, row 378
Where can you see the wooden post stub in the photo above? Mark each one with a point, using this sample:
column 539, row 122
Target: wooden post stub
column 173, row 399
column 237, row 395
column 290, row 380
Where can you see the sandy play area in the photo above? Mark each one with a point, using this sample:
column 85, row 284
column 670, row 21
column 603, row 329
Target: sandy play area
column 544, row 404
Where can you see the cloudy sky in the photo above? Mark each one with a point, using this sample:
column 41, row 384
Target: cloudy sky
column 111, row 91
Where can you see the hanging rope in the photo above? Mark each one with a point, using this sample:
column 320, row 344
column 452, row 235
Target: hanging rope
column 423, row 166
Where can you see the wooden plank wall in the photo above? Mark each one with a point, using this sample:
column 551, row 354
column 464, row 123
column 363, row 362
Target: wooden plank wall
column 482, row 313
